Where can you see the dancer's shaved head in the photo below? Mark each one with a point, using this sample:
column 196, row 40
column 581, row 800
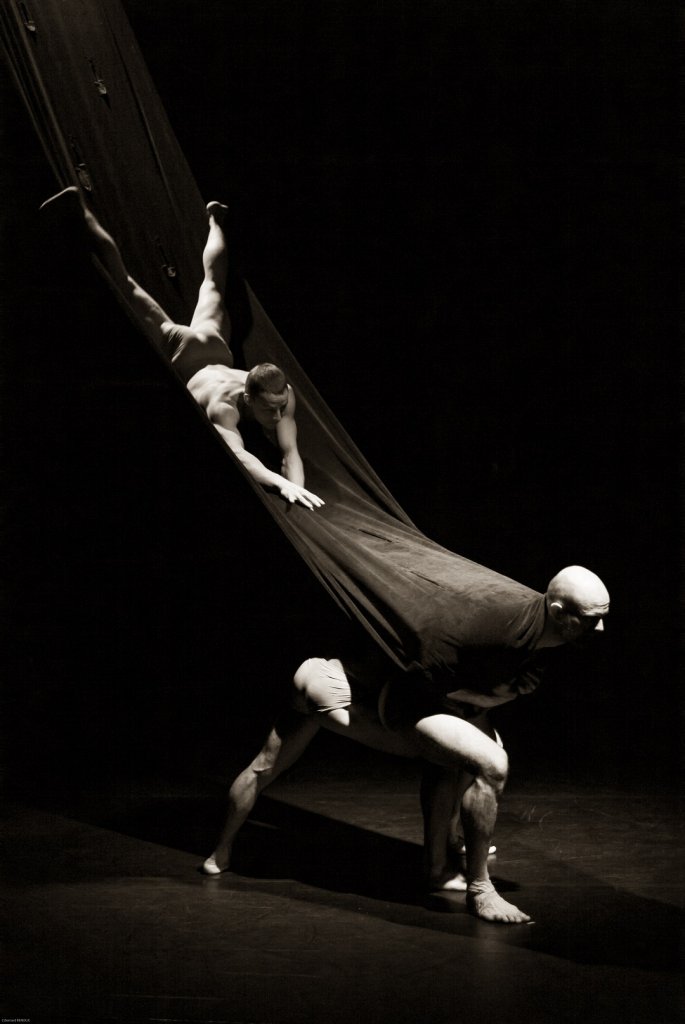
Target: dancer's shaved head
column 580, row 588
column 577, row 601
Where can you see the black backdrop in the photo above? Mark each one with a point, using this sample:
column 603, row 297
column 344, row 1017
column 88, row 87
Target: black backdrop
column 461, row 217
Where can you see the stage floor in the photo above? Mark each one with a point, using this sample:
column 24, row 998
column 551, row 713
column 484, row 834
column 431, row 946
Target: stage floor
column 323, row 919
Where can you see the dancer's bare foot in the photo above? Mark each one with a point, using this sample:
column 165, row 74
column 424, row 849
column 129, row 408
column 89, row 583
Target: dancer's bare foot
column 217, row 862
column 484, row 902
column 67, row 216
column 460, row 847
column 492, row 850
column 69, row 194
column 452, row 877
column 67, row 210
column 217, row 210
column 448, row 881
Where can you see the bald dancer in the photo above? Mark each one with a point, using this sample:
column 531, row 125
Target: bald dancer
column 447, row 728
column 202, row 359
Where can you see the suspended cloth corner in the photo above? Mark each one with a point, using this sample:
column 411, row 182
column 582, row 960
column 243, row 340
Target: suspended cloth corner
column 103, row 127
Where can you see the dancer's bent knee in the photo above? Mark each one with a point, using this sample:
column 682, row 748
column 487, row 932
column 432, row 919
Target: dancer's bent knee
column 496, row 770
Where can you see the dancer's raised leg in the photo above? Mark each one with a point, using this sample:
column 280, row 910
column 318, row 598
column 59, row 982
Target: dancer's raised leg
column 105, row 249
column 210, row 316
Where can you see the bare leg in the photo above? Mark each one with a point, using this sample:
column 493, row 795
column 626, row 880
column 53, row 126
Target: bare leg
column 441, row 794
column 456, row 849
column 478, row 815
column 361, row 723
column 470, row 759
column 210, row 316
column 142, row 305
column 285, row 744
column 452, row 743
column 459, row 748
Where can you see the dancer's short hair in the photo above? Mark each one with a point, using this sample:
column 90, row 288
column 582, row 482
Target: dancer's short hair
column 265, row 377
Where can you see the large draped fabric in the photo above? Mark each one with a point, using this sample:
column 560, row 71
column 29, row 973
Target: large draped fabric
column 103, row 128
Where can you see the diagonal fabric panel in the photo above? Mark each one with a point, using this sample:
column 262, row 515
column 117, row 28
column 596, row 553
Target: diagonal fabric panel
column 103, row 127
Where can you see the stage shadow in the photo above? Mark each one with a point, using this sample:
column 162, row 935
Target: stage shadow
column 297, row 854
column 582, row 920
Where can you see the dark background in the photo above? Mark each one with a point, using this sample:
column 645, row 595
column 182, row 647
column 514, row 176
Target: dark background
column 462, row 219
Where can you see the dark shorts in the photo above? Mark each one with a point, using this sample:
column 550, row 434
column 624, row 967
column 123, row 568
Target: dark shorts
column 324, row 684
column 406, row 699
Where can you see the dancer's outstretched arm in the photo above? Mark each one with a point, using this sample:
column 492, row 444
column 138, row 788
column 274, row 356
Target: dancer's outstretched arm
column 224, row 416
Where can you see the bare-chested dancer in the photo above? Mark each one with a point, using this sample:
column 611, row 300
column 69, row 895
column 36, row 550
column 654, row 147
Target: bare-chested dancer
column 201, row 357
column 465, row 765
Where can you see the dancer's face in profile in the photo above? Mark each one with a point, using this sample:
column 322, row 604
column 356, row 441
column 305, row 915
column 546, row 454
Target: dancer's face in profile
column 268, row 408
column 577, row 621
column 575, row 626
column 578, row 601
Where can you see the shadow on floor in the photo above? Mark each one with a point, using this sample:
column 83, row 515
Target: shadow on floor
column 294, row 853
